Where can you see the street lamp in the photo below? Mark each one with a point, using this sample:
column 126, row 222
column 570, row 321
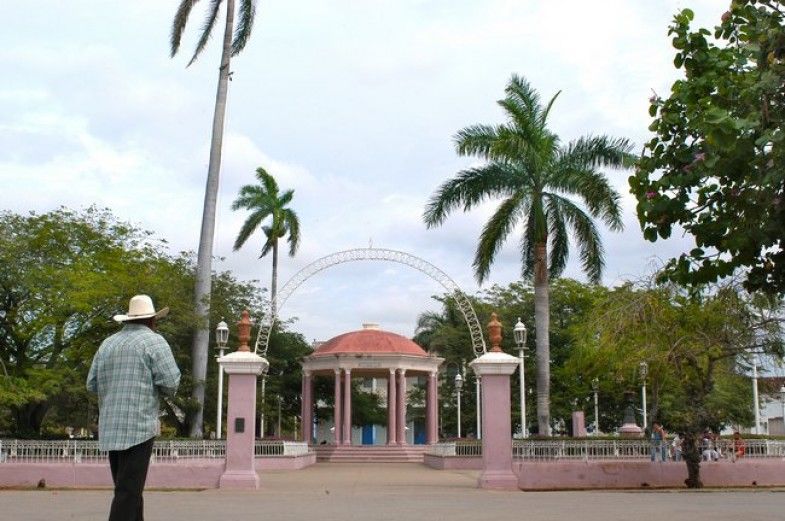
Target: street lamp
column 519, row 332
column 458, row 386
column 644, row 370
column 221, row 339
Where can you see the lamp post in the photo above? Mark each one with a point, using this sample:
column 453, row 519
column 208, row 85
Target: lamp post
column 221, row 339
column 519, row 332
column 644, row 370
column 755, row 402
column 595, row 385
column 458, row 387
column 782, row 400
column 261, row 412
column 278, row 396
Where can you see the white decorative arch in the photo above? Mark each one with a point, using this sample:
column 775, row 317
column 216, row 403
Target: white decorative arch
column 372, row 254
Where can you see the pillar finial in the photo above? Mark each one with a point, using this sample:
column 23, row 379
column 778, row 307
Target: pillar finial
column 244, row 331
column 495, row 333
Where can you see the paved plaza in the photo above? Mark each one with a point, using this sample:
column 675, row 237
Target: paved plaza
column 397, row 492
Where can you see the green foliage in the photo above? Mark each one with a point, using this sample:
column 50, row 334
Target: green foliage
column 65, row 275
column 716, row 164
column 529, row 167
column 446, row 334
column 265, row 200
column 550, row 192
column 697, row 347
column 246, row 11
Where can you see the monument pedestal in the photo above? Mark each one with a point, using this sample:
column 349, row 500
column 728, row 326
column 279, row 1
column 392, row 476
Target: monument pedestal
column 495, row 369
column 242, row 367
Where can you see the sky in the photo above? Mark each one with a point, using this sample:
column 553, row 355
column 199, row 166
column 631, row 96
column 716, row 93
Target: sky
column 353, row 104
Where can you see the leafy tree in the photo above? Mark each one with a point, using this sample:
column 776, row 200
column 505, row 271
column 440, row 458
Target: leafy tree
column 697, row 347
column 445, row 332
column 284, row 379
column 716, row 164
column 265, row 200
column 534, row 172
column 232, row 45
column 65, row 275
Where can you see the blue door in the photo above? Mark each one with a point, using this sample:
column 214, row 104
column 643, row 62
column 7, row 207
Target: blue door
column 367, row 434
column 419, row 433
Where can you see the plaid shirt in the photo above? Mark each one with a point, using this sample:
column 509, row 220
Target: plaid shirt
column 128, row 371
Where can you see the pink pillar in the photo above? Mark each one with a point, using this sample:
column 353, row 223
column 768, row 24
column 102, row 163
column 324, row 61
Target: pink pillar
column 401, row 403
column 347, row 407
column 307, row 412
column 495, row 369
column 432, row 410
column 242, row 367
column 392, row 409
column 337, row 407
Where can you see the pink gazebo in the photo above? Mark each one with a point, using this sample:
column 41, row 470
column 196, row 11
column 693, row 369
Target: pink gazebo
column 372, row 354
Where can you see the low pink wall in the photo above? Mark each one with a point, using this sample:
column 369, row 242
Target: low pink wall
column 183, row 474
column 191, row 474
column 453, row 462
column 563, row 475
column 286, row 462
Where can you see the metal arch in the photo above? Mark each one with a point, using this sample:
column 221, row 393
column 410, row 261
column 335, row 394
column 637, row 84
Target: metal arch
column 372, row 254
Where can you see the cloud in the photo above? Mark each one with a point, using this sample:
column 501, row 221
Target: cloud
column 351, row 104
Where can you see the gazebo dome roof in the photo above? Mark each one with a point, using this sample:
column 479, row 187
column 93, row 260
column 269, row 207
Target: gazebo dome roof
column 369, row 341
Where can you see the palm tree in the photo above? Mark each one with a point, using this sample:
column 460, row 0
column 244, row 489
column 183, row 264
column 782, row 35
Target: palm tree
column 265, row 200
column 202, row 287
column 534, row 173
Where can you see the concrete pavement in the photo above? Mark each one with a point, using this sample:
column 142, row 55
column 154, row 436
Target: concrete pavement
column 399, row 492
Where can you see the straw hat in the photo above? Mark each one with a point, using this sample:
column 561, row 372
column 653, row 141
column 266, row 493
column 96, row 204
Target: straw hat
column 140, row 307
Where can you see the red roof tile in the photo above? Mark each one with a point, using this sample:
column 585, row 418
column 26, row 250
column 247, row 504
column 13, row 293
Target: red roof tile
column 369, row 341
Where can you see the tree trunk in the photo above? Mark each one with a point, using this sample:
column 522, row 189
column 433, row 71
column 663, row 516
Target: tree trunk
column 274, row 282
column 542, row 327
column 203, row 284
column 691, row 452
column 29, row 418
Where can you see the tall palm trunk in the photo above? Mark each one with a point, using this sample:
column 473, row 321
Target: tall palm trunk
column 203, row 285
column 274, row 282
column 542, row 326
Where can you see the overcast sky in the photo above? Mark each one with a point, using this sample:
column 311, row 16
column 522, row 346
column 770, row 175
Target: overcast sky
column 353, row 104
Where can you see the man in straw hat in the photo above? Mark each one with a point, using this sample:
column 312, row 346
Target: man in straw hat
column 128, row 372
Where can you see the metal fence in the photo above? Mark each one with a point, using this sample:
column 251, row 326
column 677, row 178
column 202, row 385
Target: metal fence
column 580, row 449
column 452, row 448
column 546, row 450
column 86, row 451
column 266, row 448
column 639, row 449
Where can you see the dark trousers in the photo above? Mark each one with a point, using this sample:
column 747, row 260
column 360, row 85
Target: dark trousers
column 129, row 472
